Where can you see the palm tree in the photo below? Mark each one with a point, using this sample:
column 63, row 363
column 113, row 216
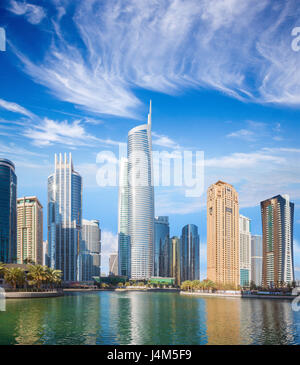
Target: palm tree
column 2, row 269
column 38, row 274
column 196, row 284
column 15, row 276
column 52, row 276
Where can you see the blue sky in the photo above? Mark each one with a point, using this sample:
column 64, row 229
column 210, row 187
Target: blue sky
column 222, row 76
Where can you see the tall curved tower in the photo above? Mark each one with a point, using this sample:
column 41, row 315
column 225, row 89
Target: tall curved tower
column 8, row 212
column 141, row 200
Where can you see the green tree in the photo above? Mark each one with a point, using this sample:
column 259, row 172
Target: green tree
column 52, row 276
column 15, row 277
column 37, row 274
column 2, row 269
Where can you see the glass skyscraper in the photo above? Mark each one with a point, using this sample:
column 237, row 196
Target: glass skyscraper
column 90, row 252
column 245, row 251
column 8, row 212
column 256, row 259
column 123, row 234
column 162, row 247
column 65, row 218
column 141, row 200
column 278, row 257
column 190, row 253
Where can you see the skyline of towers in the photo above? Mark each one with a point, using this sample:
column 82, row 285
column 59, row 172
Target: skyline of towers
column 8, row 211
column 223, row 234
column 245, row 251
column 277, row 215
column 161, row 250
column 90, row 251
column 256, row 259
column 64, row 217
column 29, row 230
column 141, row 200
column 190, row 253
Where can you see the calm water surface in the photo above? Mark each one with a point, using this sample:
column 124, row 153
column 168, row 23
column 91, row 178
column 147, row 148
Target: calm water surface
column 148, row 318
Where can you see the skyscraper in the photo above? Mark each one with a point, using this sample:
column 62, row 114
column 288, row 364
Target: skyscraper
column 190, row 253
column 245, row 251
column 175, row 259
column 123, row 227
column 8, row 212
column 141, row 200
column 162, row 249
column 90, row 252
column 256, row 259
column 277, row 223
column 113, row 264
column 29, row 230
column 223, row 234
column 64, row 218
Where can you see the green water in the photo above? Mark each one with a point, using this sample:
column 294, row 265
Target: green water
column 148, row 318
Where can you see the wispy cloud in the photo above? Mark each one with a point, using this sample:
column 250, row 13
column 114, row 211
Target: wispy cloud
column 164, row 141
column 33, row 13
column 203, row 43
column 15, row 108
column 257, row 130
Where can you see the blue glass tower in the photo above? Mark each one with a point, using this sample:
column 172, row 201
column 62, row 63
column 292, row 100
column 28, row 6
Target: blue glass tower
column 190, row 253
column 8, row 212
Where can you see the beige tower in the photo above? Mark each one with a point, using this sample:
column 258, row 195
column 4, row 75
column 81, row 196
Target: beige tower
column 30, row 230
column 223, row 234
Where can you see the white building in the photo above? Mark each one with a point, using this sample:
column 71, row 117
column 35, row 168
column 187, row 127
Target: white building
column 245, row 251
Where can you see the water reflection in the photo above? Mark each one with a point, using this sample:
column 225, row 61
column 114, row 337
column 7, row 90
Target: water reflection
column 148, row 318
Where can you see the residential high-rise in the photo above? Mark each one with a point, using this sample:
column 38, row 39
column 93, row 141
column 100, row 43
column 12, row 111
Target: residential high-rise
column 175, row 259
column 90, row 252
column 29, row 230
column 245, row 251
column 123, row 227
column 223, row 254
column 190, row 253
column 65, row 218
column 162, row 248
column 256, row 259
column 113, row 264
column 141, row 200
column 8, row 212
column 45, row 254
column 277, row 224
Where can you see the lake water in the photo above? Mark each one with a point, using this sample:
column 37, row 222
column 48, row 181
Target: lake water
column 155, row 318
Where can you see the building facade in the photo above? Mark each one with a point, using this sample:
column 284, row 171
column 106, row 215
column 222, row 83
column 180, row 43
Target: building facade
column 29, row 230
column 113, row 264
column 141, row 200
column 223, row 254
column 64, row 218
column 123, row 224
column 278, row 259
column 8, row 212
column 162, row 247
column 245, row 251
column 190, row 253
column 256, row 259
column 90, row 252
column 175, row 260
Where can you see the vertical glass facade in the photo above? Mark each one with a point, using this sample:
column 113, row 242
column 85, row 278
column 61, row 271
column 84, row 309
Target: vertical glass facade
column 245, row 251
column 190, row 253
column 162, row 249
column 65, row 218
column 256, row 259
column 123, row 234
column 8, row 212
column 141, row 200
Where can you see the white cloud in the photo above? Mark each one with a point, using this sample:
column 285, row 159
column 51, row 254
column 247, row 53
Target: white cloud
column 164, row 141
column 169, row 46
column 15, row 108
column 33, row 13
